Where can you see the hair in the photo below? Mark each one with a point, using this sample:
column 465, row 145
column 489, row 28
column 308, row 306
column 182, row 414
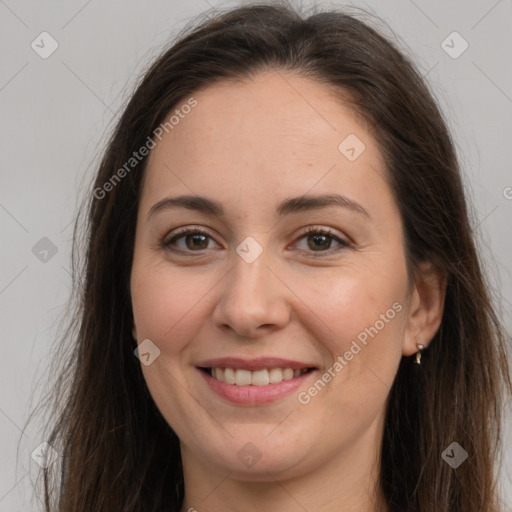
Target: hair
column 117, row 451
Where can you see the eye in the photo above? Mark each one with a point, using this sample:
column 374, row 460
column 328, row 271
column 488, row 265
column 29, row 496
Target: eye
column 194, row 240
column 319, row 240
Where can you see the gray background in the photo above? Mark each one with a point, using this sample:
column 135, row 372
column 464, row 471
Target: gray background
column 56, row 114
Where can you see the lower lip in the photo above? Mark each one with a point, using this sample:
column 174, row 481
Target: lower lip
column 255, row 395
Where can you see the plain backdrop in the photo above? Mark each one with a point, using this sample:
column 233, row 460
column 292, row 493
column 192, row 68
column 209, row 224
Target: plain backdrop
column 56, row 114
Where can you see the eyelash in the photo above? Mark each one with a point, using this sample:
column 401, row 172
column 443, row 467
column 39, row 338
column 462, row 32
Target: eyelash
column 312, row 230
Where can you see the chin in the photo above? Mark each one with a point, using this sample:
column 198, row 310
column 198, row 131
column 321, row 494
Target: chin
column 255, row 457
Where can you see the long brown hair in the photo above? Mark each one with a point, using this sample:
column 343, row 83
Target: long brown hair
column 117, row 451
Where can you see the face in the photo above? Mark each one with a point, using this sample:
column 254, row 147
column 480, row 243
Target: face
column 288, row 279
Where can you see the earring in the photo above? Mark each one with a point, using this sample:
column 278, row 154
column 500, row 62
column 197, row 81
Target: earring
column 418, row 354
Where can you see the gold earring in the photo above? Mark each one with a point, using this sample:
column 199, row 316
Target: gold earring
column 418, row 354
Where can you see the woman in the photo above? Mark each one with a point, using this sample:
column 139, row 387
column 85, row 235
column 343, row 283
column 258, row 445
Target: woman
column 282, row 306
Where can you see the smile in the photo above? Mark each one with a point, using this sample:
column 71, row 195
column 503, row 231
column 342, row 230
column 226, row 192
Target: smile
column 263, row 377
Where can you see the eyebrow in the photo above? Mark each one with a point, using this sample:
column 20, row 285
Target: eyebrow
column 286, row 207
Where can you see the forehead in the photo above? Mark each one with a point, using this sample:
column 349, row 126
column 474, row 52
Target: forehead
column 254, row 111
column 272, row 131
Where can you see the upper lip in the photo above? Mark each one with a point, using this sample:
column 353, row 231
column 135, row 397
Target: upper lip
column 259, row 363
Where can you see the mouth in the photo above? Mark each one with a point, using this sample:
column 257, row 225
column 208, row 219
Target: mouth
column 254, row 382
column 262, row 377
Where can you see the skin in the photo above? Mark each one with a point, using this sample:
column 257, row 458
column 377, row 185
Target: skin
column 249, row 145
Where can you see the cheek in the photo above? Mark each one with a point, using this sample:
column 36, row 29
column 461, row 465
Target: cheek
column 347, row 305
column 359, row 318
column 166, row 304
column 362, row 322
column 168, row 310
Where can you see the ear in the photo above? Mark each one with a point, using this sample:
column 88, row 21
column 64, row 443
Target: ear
column 426, row 308
column 134, row 332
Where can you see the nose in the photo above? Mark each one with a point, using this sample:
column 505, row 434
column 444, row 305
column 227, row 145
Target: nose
column 253, row 299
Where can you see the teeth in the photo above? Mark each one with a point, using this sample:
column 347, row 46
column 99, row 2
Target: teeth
column 276, row 375
column 243, row 377
column 287, row 374
column 229, row 375
column 257, row 377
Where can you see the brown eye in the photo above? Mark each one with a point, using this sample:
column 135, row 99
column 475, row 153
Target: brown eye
column 320, row 241
column 188, row 240
column 196, row 241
